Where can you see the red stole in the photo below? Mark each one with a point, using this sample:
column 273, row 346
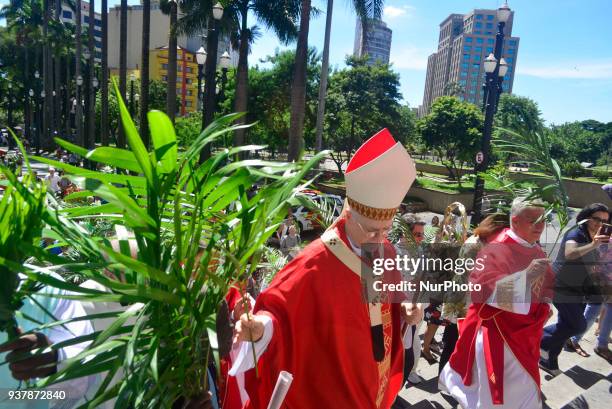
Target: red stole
column 522, row 333
column 322, row 336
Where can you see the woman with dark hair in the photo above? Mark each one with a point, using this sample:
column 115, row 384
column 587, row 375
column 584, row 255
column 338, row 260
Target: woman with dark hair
column 573, row 282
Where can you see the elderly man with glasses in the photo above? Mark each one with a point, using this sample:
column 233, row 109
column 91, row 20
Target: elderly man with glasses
column 313, row 321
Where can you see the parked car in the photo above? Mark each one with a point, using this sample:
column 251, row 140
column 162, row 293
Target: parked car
column 309, row 218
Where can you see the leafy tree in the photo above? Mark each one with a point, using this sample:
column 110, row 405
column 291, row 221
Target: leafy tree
column 269, row 100
column 520, row 114
column 361, row 100
column 453, row 129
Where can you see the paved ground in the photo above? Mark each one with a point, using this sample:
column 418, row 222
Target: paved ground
column 586, row 383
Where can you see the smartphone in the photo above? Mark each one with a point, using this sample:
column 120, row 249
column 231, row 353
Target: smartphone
column 606, row 229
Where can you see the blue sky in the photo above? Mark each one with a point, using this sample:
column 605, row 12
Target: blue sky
column 564, row 60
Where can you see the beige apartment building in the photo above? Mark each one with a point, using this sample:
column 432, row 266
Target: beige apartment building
column 160, row 26
column 464, row 42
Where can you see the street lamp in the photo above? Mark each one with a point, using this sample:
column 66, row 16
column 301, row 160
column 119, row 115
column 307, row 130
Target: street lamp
column 201, row 60
column 224, row 62
column 132, row 79
column 495, row 70
column 218, row 11
column 212, row 45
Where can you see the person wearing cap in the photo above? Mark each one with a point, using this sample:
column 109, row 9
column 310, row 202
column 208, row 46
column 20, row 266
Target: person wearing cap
column 313, row 322
column 52, row 180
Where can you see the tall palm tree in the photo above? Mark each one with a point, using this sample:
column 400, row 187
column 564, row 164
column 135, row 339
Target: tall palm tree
column 47, row 112
column 122, row 63
column 144, row 71
column 104, row 78
column 91, row 99
column 57, row 71
column 365, row 9
column 171, row 7
column 279, row 16
column 298, row 85
column 77, row 73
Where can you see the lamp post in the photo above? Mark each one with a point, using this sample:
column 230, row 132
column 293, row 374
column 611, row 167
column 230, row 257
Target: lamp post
column 132, row 79
column 201, row 60
column 224, row 62
column 212, row 45
column 79, row 112
column 492, row 89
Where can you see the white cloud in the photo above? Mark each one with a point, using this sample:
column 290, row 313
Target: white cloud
column 575, row 70
column 409, row 58
column 391, row 12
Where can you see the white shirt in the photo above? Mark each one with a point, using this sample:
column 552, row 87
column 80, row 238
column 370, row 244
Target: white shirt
column 52, row 182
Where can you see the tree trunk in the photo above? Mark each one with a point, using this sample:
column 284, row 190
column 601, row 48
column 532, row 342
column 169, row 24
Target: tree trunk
column 57, row 69
column 91, row 106
column 47, row 79
column 324, row 75
column 212, row 46
column 67, row 103
column 104, row 77
column 26, row 96
column 144, row 72
column 172, row 45
column 298, row 86
column 122, row 65
column 77, row 72
column 242, row 78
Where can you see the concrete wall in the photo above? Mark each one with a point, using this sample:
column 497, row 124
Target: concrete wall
column 580, row 193
column 438, row 201
column 438, row 169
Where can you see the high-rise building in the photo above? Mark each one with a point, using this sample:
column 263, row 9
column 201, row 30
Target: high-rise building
column 457, row 67
column 186, row 75
column 158, row 37
column 69, row 16
column 375, row 42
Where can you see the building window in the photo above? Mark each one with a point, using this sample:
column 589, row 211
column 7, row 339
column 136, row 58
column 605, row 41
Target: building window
column 476, row 57
column 478, row 49
column 164, row 78
column 489, row 33
column 490, row 17
column 512, row 43
column 478, row 32
column 468, row 39
column 67, row 14
column 478, row 24
column 464, row 65
column 474, row 73
column 490, row 25
column 479, row 40
column 510, row 51
column 489, row 49
column 476, row 66
column 188, row 81
column 463, row 82
column 474, row 83
column 188, row 104
column 466, row 56
column 464, row 73
column 478, row 16
column 467, row 48
column 509, row 60
column 461, row 98
column 189, row 70
column 472, row 91
column 164, row 66
column 490, row 41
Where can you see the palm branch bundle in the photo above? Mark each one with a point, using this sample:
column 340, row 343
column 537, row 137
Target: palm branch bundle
column 21, row 209
column 196, row 231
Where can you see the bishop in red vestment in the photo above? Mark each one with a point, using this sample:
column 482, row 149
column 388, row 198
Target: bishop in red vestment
column 313, row 322
column 495, row 362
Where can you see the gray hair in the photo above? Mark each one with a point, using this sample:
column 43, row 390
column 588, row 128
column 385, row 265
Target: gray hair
column 520, row 204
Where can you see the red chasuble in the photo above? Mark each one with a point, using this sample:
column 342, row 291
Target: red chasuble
column 322, row 336
column 521, row 333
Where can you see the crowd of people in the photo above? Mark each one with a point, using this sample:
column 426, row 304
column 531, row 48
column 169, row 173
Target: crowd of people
column 346, row 352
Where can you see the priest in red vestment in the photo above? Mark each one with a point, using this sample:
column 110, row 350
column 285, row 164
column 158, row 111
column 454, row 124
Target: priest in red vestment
column 495, row 362
column 313, row 321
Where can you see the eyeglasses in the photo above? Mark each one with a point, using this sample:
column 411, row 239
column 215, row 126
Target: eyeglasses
column 599, row 219
column 372, row 234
